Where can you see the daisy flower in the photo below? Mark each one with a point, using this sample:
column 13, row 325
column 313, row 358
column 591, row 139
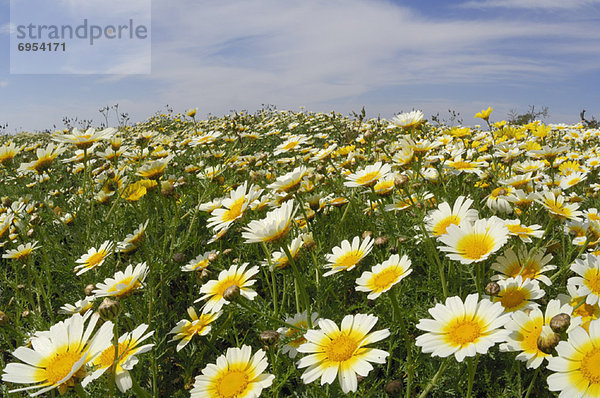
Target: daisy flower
column 524, row 232
column 529, row 264
column 342, row 351
column 289, row 182
column 472, row 243
column 199, row 326
column 128, row 347
column 234, row 276
column 84, row 140
column 80, row 307
column 45, row 157
column 273, row 227
column 279, row 259
column 516, row 294
column 133, row 241
column 556, row 205
column 485, row 114
column 526, row 326
column 122, row 284
column 290, row 144
column 57, row 358
column 8, row 152
column 572, row 179
column 238, row 373
column 368, row 176
column 201, row 262
column 233, row 207
column 577, row 373
column 586, row 312
column 407, row 119
column 462, row 329
column 93, row 258
column 438, row 220
column 295, row 337
column 348, row 256
column 458, row 166
column 154, row 169
column 384, row 276
column 22, row 252
column 588, row 281
column 497, row 199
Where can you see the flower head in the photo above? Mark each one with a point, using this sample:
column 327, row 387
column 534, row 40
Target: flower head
column 407, row 119
column 368, row 176
column 234, row 276
column 237, row 374
column 485, row 114
column 348, row 256
column 588, row 281
column 472, row 243
column 437, row 221
column 123, row 283
column 384, row 276
column 342, row 351
column 199, row 326
column 462, row 328
column 273, row 227
column 93, row 258
column 57, row 358
column 294, row 338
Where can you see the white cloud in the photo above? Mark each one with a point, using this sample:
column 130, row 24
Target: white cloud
column 3, row 83
column 531, row 4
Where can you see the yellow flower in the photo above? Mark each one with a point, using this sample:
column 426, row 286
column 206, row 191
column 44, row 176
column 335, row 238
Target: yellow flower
column 485, row 114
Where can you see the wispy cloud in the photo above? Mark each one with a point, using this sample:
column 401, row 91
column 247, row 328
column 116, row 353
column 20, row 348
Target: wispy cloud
column 531, row 4
column 3, row 83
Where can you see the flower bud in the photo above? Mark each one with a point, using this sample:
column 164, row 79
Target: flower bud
column 400, row 180
column 547, row 340
column 3, row 319
column 167, row 187
column 179, row 257
column 367, row 233
column 381, row 241
column 314, row 202
column 109, row 309
column 89, row 289
column 269, row 337
column 231, row 293
column 560, row 323
column 492, row 289
column 393, row 250
column 309, row 241
column 394, row 388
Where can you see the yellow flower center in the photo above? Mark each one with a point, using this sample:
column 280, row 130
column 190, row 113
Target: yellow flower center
column 341, row 348
column 232, row 384
column 58, row 368
column 461, row 165
column 530, row 270
column 513, row 298
column 200, row 265
column 475, row 246
column 124, row 286
column 530, row 338
column 518, row 229
column 107, row 357
column 385, row 279
column 592, row 280
column 461, row 332
column 558, row 208
column 368, row 178
column 225, row 284
column 235, row 210
column 590, row 366
column 441, row 227
column 349, row 259
column 95, row 259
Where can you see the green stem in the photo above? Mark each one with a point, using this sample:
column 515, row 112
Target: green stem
column 246, row 306
column 530, row 388
column 435, row 378
column 471, row 367
column 80, row 391
column 139, row 391
column 300, row 282
column 407, row 345
column 273, row 281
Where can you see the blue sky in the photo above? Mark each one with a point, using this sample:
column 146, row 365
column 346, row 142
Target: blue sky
column 388, row 55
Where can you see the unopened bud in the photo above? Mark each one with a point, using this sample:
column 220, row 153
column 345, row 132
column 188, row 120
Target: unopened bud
column 3, row 319
column 560, row 323
column 492, row 289
column 6, row 201
column 309, row 241
column 30, row 233
column 547, row 340
column 367, row 234
column 400, row 180
column 213, row 256
column 394, row 388
column 202, row 275
column 314, row 202
column 109, row 309
column 381, row 241
column 25, row 314
column 179, row 257
column 227, row 251
column 393, row 250
column 231, row 293
column 269, row 337
column 89, row 289
column 167, row 187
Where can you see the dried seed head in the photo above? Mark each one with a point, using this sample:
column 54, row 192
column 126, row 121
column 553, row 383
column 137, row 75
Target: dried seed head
column 560, row 323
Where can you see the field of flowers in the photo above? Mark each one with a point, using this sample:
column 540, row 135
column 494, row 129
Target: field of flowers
column 298, row 254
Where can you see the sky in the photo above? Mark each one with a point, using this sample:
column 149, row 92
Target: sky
column 333, row 55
